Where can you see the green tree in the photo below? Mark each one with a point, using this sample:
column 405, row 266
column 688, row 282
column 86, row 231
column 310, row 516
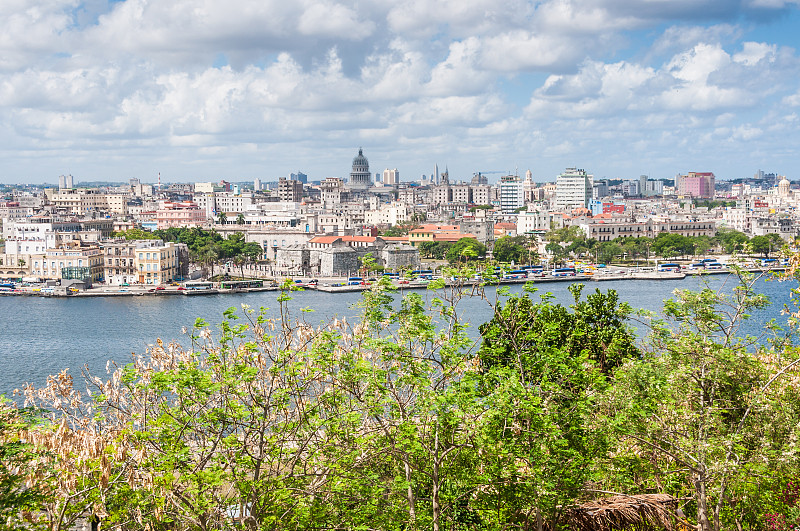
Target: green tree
column 701, row 416
column 240, row 219
column 543, row 366
column 511, row 249
column 18, row 495
column 731, row 240
column 464, row 250
column 136, row 234
column 222, row 218
column 766, row 244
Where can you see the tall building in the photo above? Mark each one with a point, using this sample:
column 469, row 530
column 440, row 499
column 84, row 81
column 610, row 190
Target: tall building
column 65, row 182
column 696, row 184
column 391, row 177
column 360, row 177
column 512, row 194
column 290, row 190
column 257, row 184
column 299, row 176
column 573, row 189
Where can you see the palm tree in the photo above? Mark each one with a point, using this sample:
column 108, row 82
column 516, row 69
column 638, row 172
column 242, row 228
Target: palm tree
column 222, row 218
column 240, row 219
column 209, row 257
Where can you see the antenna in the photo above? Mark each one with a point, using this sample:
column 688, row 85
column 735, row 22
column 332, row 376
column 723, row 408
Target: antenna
column 159, row 180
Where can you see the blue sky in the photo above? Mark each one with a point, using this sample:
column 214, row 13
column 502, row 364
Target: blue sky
column 204, row 90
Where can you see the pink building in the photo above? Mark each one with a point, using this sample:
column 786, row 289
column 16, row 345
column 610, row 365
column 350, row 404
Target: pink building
column 183, row 214
column 696, row 184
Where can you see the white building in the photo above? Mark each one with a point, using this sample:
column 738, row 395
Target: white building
column 512, row 194
column 394, row 213
column 573, row 189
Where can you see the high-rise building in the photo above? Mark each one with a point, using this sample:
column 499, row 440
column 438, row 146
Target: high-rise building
column 512, row 194
column 573, row 189
column 257, row 184
column 360, row 177
column 65, row 182
column 299, row 176
column 391, row 177
column 696, row 184
column 290, row 190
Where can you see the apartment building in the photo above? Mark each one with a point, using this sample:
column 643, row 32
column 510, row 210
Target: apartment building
column 156, row 262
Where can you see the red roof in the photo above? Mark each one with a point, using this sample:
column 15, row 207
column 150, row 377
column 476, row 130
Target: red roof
column 325, row 239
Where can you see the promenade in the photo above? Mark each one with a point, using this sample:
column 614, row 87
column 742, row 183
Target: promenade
column 341, row 285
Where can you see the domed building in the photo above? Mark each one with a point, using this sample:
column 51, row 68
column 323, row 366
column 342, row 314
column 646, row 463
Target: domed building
column 360, row 177
column 783, row 187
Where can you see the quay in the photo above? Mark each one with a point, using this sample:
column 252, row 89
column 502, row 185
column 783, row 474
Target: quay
column 342, row 287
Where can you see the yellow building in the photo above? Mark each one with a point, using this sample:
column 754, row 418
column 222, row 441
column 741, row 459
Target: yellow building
column 158, row 263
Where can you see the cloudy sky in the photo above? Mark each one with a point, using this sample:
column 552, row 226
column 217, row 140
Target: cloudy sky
column 242, row 89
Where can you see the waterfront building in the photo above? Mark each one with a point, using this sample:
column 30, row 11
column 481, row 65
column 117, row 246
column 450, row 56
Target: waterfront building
column 156, row 262
column 74, row 261
column 336, row 256
column 436, row 233
column 606, row 230
column 573, row 189
column 119, row 265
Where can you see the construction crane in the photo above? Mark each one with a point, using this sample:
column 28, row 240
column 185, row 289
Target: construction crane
column 478, row 175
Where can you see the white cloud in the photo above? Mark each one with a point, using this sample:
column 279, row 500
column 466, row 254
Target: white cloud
column 248, row 81
column 753, row 52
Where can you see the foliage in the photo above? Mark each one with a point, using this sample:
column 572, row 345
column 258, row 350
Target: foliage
column 19, row 498
column 766, row 244
column 708, row 414
column 434, row 250
column 397, row 422
column 464, row 250
column 515, row 249
column 401, row 229
column 731, row 240
column 136, row 234
column 710, row 204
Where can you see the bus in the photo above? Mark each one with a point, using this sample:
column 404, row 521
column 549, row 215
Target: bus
column 199, row 285
column 355, row 281
column 239, row 284
column 564, row 272
column 519, row 273
column 425, row 274
column 669, row 266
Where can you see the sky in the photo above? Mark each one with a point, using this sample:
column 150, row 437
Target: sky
column 202, row 90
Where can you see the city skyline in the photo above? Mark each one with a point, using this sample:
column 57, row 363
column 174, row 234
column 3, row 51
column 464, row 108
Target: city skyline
column 245, row 90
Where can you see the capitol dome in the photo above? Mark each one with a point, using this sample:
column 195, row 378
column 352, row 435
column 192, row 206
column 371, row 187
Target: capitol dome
column 360, row 178
column 360, row 162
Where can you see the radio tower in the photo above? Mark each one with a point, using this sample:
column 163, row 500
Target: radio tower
column 159, row 180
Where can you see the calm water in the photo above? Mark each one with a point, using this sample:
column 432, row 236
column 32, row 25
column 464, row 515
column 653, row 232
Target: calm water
column 42, row 336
